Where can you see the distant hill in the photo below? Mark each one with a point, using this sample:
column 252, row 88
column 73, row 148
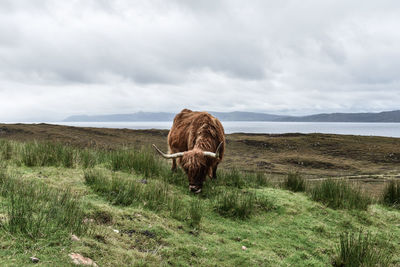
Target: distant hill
column 246, row 116
column 164, row 116
column 139, row 116
column 387, row 116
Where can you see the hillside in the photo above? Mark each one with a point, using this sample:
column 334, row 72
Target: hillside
column 125, row 208
column 388, row 116
column 164, row 116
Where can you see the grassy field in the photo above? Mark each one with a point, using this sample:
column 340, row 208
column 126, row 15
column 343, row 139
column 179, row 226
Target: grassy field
column 128, row 209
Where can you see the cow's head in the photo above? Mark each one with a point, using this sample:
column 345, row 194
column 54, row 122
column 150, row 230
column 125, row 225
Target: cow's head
column 195, row 163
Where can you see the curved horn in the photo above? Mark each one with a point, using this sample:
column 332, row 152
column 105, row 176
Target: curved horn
column 168, row 156
column 212, row 154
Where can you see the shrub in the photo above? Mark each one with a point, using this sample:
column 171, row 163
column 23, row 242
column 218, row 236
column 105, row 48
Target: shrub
column 391, row 194
column 339, row 194
column 359, row 249
column 295, row 182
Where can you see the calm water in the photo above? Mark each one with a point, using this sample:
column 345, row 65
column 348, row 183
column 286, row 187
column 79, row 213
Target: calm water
column 377, row 129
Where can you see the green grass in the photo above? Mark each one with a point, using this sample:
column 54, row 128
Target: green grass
column 240, row 204
column 141, row 161
column 338, row 194
column 361, row 249
column 391, row 194
column 120, row 191
column 5, row 150
column 195, row 212
column 46, row 154
column 129, row 215
column 295, row 182
column 38, row 211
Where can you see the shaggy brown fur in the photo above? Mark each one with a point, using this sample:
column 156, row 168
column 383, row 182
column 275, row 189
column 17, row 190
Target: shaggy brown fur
column 195, row 132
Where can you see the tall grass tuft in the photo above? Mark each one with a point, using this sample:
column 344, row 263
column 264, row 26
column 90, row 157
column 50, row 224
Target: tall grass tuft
column 338, row 194
column 235, row 204
column 177, row 208
column 35, row 210
column 238, row 179
column 359, row 249
column 295, row 182
column 6, row 150
column 46, row 154
column 261, row 180
column 141, row 161
column 125, row 192
column 88, row 158
column 231, row 178
column 391, row 194
column 97, row 180
column 195, row 212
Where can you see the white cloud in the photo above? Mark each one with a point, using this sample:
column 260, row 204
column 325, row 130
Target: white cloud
column 59, row 58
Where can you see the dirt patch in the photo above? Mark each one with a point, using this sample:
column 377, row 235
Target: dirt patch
column 389, row 158
column 271, row 135
column 315, row 164
column 258, row 144
column 10, row 131
column 145, row 233
column 264, row 165
column 103, row 217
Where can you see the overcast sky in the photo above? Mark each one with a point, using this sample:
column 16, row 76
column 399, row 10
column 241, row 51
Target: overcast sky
column 61, row 58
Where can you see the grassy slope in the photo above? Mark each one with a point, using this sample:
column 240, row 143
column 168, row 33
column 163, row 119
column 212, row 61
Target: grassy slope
column 297, row 232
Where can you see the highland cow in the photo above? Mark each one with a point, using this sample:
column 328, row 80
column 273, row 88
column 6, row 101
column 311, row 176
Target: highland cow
column 197, row 141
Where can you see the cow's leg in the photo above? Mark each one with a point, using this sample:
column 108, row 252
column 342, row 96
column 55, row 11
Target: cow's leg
column 173, row 168
column 214, row 174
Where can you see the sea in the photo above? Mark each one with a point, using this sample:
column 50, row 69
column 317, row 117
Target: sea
column 348, row 128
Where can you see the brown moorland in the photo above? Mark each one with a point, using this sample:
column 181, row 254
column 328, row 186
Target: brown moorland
column 368, row 159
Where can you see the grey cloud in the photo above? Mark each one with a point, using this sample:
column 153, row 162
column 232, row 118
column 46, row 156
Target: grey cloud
column 124, row 56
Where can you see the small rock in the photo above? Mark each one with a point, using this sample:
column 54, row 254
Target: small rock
column 34, row 259
column 115, row 230
column 87, row 220
column 74, row 238
column 244, row 247
column 78, row 259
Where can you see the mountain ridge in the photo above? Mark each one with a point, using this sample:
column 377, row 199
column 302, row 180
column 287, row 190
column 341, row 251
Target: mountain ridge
column 385, row 116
